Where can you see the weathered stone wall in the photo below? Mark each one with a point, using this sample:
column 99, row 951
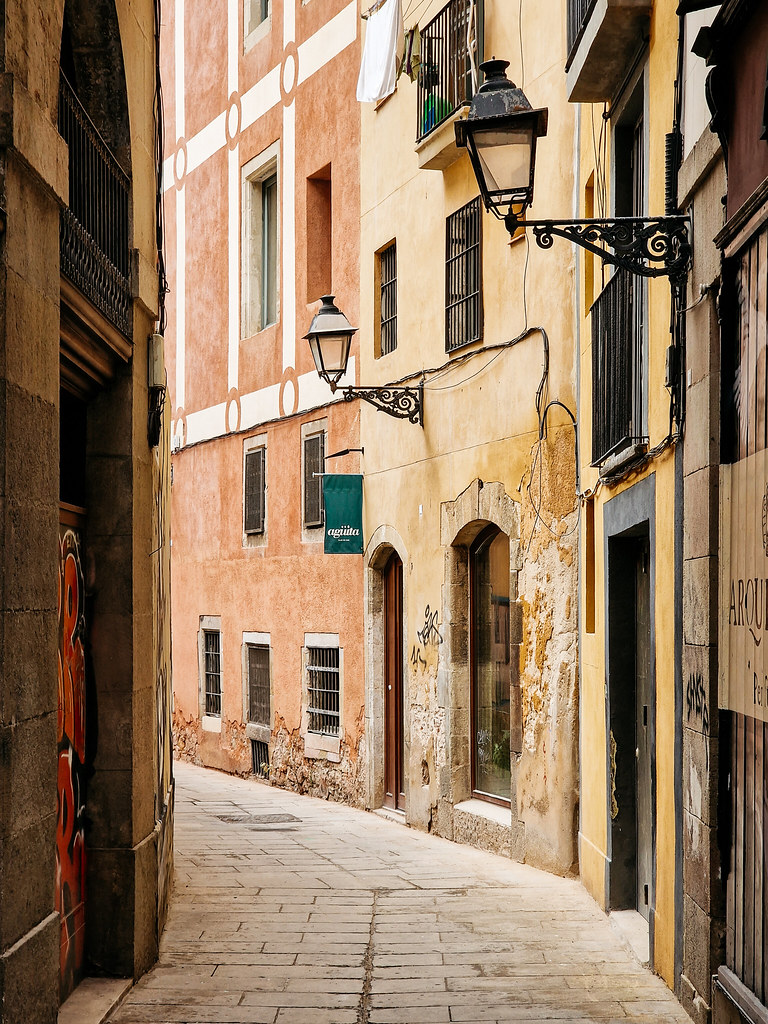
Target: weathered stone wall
column 343, row 781
column 701, row 181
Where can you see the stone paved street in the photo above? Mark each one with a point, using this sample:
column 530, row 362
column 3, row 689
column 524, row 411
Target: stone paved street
column 289, row 910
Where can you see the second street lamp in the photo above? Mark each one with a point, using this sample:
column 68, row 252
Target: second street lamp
column 329, row 337
column 500, row 134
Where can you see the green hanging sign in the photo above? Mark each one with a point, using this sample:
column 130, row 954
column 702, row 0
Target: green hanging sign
column 343, row 498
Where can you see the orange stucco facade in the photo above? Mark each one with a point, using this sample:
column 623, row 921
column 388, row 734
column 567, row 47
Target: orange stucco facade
column 245, row 101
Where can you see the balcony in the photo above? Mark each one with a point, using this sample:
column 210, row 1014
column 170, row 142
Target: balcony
column 451, row 45
column 93, row 236
column 617, row 371
column 603, row 38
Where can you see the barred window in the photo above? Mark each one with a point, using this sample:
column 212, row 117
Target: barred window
column 212, row 654
column 314, row 465
column 255, row 490
column 463, row 277
column 388, row 299
column 258, row 684
column 323, row 690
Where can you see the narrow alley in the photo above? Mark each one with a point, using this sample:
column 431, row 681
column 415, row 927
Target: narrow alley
column 287, row 910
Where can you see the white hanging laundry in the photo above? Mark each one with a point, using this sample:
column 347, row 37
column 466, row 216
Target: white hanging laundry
column 382, row 42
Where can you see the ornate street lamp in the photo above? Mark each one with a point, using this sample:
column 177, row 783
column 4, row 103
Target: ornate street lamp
column 500, row 134
column 329, row 337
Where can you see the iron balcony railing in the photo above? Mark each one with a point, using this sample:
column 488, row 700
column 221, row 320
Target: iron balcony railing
column 447, row 79
column 579, row 12
column 617, row 368
column 95, row 255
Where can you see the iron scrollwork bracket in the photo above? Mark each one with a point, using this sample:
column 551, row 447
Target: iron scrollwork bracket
column 404, row 403
column 647, row 246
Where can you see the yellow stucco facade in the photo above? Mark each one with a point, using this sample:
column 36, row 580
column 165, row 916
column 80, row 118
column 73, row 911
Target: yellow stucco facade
column 477, row 460
column 653, row 74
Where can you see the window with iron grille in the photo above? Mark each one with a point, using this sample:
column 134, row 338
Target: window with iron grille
column 463, row 276
column 451, row 51
column 314, row 466
column 388, row 299
column 255, row 490
column 619, row 332
column 212, row 655
column 323, row 690
column 260, row 759
column 258, row 684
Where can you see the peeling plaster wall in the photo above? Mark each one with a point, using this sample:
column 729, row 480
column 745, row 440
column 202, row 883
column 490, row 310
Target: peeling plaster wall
column 548, row 783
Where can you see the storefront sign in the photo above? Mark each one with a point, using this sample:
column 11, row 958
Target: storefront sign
column 743, row 611
column 343, row 497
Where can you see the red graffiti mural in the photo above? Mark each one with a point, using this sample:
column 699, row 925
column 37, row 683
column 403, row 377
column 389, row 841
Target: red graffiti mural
column 70, row 831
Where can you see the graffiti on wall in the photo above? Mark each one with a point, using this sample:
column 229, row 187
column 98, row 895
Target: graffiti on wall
column 428, row 636
column 70, row 828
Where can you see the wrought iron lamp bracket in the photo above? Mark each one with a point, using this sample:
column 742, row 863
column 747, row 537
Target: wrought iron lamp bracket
column 647, row 246
column 404, row 403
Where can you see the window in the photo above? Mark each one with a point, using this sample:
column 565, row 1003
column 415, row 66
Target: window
column 314, row 466
column 463, row 305
column 255, row 490
column 319, row 235
column 258, row 684
column 491, row 669
column 212, row 670
column 254, row 13
column 323, row 690
column 619, row 321
column 450, row 45
column 260, row 243
column 386, row 273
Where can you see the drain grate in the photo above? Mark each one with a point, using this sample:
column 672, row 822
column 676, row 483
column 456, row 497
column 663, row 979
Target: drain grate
column 256, row 819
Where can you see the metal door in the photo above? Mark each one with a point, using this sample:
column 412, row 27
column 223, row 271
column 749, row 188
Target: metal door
column 643, row 711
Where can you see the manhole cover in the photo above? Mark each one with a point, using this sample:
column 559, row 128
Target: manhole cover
column 256, row 819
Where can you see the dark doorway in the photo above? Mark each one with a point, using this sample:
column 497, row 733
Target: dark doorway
column 394, row 794
column 631, row 725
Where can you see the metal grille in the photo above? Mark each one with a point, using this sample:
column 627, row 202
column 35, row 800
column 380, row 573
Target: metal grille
column 93, row 229
column 212, row 648
column 314, row 465
column 258, row 684
column 388, row 271
column 446, row 77
column 323, row 689
column 260, row 764
column 616, row 389
column 579, row 12
column 463, row 299
column 255, row 487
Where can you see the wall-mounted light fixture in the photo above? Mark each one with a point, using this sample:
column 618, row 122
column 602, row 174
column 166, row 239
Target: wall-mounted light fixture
column 329, row 337
column 500, row 134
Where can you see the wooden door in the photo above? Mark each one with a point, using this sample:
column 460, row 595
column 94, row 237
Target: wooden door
column 394, row 795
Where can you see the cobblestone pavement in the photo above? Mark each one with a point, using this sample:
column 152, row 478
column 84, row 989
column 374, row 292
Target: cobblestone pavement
column 289, row 910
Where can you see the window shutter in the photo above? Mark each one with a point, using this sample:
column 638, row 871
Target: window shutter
column 258, row 684
column 314, row 462
column 254, row 491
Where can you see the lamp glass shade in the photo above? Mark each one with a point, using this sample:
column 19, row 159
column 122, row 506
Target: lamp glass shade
column 505, row 157
column 330, row 352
